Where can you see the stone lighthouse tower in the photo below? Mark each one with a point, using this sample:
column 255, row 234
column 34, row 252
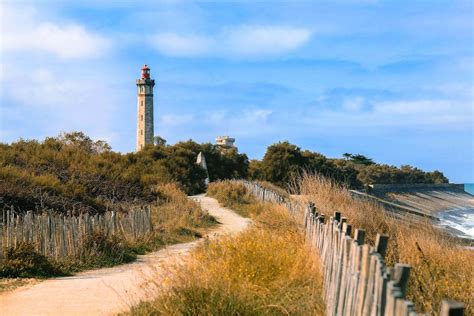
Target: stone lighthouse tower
column 145, row 130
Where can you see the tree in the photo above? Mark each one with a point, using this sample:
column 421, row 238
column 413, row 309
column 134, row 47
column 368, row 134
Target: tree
column 255, row 171
column 81, row 141
column 159, row 141
column 282, row 162
column 436, row 177
column 361, row 159
column 347, row 156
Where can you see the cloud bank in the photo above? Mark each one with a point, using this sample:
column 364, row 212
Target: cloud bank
column 239, row 41
column 23, row 32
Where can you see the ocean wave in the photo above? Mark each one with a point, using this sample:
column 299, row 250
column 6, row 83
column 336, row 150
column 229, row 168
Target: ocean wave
column 461, row 220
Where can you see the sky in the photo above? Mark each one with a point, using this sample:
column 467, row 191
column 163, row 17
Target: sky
column 392, row 80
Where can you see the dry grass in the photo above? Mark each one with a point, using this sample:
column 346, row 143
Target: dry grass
column 7, row 285
column 176, row 214
column 235, row 196
column 440, row 267
column 274, row 188
column 266, row 270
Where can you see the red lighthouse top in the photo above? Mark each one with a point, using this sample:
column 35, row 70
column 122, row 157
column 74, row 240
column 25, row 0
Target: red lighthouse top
column 145, row 72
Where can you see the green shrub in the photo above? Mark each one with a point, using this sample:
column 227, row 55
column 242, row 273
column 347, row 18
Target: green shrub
column 101, row 250
column 23, row 261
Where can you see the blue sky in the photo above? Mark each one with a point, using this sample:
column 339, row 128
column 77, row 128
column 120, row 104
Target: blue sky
column 392, row 80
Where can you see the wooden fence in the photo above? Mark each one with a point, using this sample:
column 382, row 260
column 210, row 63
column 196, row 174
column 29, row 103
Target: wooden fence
column 356, row 279
column 59, row 236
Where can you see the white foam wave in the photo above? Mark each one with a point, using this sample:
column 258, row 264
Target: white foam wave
column 462, row 220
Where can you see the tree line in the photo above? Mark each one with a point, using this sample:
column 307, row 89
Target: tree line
column 284, row 161
column 72, row 172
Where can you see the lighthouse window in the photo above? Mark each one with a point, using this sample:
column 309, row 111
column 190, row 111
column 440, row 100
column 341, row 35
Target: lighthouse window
column 141, row 117
column 141, row 103
column 141, row 132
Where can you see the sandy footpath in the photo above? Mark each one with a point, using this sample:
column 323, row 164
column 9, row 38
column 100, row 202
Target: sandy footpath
column 112, row 290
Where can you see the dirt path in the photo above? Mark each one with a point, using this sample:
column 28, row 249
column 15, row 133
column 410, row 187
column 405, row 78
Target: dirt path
column 111, row 290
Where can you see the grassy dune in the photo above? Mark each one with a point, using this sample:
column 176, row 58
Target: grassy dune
column 441, row 268
column 267, row 270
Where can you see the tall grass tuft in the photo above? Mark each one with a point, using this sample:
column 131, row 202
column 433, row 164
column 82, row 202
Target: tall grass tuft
column 235, row 196
column 441, row 268
column 176, row 214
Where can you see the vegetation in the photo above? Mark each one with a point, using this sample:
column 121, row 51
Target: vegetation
column 23, row 261
column 270, row 186
column 175, row 219
column 72, row 172
column 284, row 162
column 266, row 270
column 11, row 284
column 236, row 197
column 358, row 159
column 441, row 268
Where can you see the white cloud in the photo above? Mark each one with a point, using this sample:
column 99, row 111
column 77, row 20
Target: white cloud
column 206, row 125
column 425, row 107
column 256, row 115
column 181, row 45
column 66, row 41
column 240, row 41
column 47, row 103
column 42, row 89
column 217, row 116
column 412, row 114
column 175, row 119
column 353, row 104
column 265, row 40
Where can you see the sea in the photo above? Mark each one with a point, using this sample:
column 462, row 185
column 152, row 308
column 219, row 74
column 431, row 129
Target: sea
column 469, row 188
column 462, row 220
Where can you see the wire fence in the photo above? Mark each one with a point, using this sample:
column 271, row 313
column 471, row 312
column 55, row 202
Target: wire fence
column 356, row 279
column 58, row 236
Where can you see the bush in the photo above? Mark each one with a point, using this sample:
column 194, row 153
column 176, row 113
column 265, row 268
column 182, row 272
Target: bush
column 22, row 261
column 101, row 250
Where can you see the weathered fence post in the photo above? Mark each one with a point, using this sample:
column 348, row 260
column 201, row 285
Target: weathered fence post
column 452, row 308
column 381, row 243
column 402, row 272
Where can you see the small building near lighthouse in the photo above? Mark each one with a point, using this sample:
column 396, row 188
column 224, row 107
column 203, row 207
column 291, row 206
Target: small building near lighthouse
column 225, row 142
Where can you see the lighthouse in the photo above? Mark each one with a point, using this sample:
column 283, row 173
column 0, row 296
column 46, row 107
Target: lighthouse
column 145, row 131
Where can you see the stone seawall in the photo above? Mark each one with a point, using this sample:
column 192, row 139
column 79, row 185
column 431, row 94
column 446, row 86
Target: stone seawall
column 417, row 186
column 425, row 198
